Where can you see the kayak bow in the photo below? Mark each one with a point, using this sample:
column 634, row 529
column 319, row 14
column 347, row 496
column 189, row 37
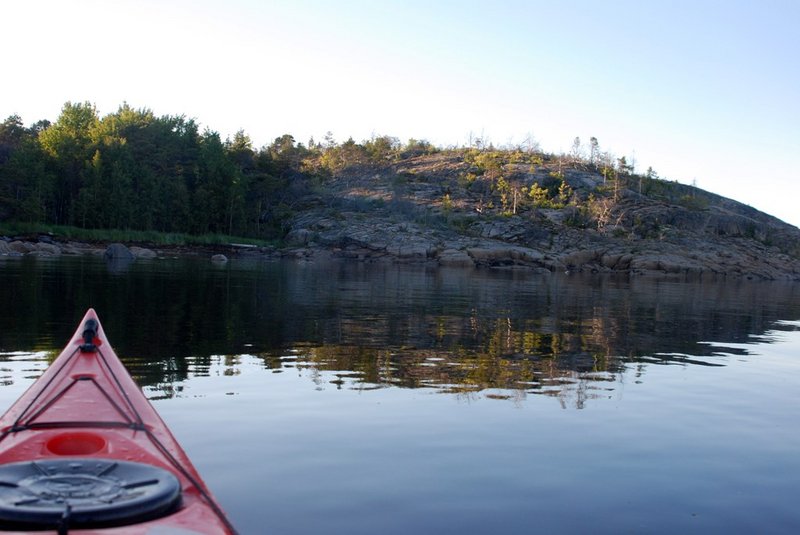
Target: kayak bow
column 84, row 451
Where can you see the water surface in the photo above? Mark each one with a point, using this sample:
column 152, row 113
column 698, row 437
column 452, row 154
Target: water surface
column 352, row 398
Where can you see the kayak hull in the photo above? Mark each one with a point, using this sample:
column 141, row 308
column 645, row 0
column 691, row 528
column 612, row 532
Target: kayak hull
column 85, row 415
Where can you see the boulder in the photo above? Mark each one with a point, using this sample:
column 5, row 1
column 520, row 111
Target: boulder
column 409, row 252
column 666, row 263
column 616, row 261
column 504, row 254
column 219, row 259
column 455, row 258
column 48, row 249
column 21, row 247
column 579, row 258
column 525, row 255
column 299, row 237
column 75, row 248
column 143, row 252
column 117, row 251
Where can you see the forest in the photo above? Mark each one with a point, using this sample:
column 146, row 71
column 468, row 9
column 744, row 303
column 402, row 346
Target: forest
column 134, row 170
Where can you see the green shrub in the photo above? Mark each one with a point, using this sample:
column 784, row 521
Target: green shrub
column 692, row 202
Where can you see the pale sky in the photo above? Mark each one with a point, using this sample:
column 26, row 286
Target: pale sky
column 703, row 91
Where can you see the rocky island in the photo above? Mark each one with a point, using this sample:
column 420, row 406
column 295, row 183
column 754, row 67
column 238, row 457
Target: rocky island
column 379, row 200
column 547, row 214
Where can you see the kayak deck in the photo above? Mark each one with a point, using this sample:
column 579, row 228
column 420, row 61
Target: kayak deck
column 84, row 450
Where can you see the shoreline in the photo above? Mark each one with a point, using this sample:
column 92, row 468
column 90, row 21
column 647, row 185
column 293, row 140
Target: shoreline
column 504, row 259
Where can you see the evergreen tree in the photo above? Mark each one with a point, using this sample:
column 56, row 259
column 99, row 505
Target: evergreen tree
column 68, row 144
column 26, row 186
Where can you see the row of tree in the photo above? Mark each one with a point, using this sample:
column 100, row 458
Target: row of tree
column 133, row 170
column 128, row 170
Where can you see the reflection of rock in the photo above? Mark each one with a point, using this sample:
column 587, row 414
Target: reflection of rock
column 468, row 330
column 119, row 264
column 118, row 252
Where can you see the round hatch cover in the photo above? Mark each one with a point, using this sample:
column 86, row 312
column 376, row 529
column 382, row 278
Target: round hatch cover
column 85, row 492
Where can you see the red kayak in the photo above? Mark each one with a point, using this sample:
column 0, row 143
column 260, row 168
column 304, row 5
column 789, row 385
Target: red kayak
column 83, row 451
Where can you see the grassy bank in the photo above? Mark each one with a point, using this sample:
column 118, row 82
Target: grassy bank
column 58, row 232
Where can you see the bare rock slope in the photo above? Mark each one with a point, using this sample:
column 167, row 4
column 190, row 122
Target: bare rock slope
column 548, row 216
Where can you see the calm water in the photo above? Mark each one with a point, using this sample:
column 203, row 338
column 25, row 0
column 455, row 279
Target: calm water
column 349, row 398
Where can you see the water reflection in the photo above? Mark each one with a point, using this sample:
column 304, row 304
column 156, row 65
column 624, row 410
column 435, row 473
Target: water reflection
column 362, row 326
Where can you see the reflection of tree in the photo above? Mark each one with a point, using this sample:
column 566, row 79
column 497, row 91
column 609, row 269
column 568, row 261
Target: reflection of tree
column 573, row 360
column 500, row 375
column 463, row 331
